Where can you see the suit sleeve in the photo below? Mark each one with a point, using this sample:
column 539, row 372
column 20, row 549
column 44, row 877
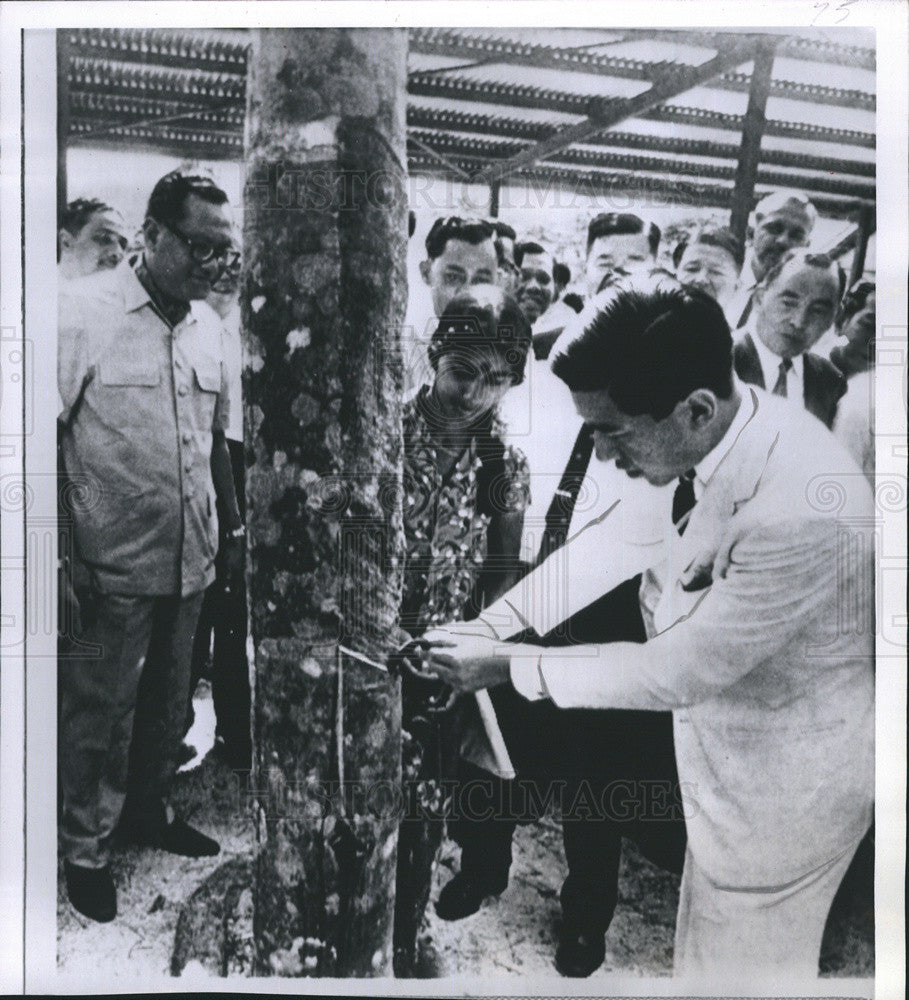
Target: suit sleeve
column 779, row 578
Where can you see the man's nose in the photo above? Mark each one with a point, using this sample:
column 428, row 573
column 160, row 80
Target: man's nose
column 800, row 319
column 604, row 447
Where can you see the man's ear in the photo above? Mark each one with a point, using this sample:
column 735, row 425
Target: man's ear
column 151, row 230
column 66, row 239
column 702, row 407
column 425, row 269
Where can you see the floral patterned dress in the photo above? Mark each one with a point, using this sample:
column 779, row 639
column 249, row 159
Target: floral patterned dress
column 446, row 522
column 446, row 518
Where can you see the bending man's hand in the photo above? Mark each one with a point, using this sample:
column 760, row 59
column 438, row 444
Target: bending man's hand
column 466, row 662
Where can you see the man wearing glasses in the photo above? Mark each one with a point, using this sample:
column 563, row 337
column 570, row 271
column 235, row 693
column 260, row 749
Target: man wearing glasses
column 145, row 408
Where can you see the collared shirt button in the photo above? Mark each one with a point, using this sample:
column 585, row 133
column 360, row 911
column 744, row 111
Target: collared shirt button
column 187, row 437
column 183, row 390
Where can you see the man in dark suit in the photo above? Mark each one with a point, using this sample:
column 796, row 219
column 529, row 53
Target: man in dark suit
column 793, row 305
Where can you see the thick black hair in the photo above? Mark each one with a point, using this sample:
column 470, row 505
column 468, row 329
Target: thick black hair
column 527, row 247
column 453, row 227
column 713, row 236
column 167, row 203
column 651, row 350
column 561, row 273
column 854, row 300
column 77, row 213
column 483, row 316
column 502, row 229
column 621, row 224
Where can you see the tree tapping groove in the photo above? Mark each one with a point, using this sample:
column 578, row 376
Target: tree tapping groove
column 325, row 231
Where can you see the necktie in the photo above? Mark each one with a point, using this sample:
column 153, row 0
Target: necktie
column 682, row 501
column 558, row 517
column 780, row 388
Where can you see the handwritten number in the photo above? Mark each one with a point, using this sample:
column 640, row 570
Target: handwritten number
column 821, row 12
column 842, row 8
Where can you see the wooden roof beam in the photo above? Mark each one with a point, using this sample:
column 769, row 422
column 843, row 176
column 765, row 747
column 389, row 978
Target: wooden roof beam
column 606, row 113
column 519, row 96
column 484, row 50
column 444, row 143
column 495, row 127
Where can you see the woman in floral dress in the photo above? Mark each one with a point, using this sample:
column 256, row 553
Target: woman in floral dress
column 464, row 497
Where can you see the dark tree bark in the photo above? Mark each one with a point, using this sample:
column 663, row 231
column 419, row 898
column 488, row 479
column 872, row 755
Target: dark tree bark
column 325, row 234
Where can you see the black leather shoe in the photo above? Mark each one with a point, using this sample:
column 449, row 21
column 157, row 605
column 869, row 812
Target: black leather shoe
column 161, row 829
column 580, row 952
column 463, row 895
column 91, row 891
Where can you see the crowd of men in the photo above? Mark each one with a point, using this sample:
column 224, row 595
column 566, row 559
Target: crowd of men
column 149, row 380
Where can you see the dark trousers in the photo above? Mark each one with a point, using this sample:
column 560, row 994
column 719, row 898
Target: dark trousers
column 612, row 772
column 224, row 613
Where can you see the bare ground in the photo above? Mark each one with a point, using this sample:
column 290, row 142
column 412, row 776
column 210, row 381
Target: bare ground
column 514, row 934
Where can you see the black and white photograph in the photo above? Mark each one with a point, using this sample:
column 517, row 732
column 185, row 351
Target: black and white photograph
column 455, row 534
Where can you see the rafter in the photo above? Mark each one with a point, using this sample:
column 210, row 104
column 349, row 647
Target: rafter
column 605, row 114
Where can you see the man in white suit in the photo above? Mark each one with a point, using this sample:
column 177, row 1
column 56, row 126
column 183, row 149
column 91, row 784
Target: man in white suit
column 759, row 623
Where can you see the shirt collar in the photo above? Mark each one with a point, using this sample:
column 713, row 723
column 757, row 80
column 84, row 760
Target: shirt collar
column 704, row 470
column 167, row 310
column 770, row 362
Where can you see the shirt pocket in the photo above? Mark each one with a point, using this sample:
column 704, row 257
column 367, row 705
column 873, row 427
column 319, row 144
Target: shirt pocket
column 129, row 391
column 208, row 385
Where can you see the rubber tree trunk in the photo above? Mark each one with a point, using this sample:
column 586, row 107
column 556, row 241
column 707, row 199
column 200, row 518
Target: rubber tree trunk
column 325, row 231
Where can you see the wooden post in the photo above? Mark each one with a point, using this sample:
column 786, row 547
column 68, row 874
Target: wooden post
column 752, row 133
column 862, row 235
column 324, row 297
column 494, row 191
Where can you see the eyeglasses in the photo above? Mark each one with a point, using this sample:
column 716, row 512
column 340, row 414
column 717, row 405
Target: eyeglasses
column 204, row 253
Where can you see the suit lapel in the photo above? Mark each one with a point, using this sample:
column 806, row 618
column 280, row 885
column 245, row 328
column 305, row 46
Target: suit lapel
column 736, row 480
column 748, row 363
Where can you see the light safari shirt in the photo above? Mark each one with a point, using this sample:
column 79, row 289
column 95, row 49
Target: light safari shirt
column 140, row 402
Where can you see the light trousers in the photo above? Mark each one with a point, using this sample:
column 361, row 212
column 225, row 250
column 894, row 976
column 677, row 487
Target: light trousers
column 104, row 708
column 754, row 933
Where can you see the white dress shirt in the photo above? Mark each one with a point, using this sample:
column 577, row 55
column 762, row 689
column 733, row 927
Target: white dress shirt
column 770, row 365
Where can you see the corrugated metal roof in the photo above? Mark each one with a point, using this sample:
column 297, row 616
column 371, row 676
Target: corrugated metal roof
column 480, row 95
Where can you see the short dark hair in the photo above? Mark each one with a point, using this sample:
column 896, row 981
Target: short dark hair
column 651, row 350
column 167, row 203
column 527, row 247
column 621, row 224
column 713, row 236
column 483, row 316
column 561, row 273
column 854, row 300
column 77, row 213
column 503, row 230
column 453, row 227
column 822, row 261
